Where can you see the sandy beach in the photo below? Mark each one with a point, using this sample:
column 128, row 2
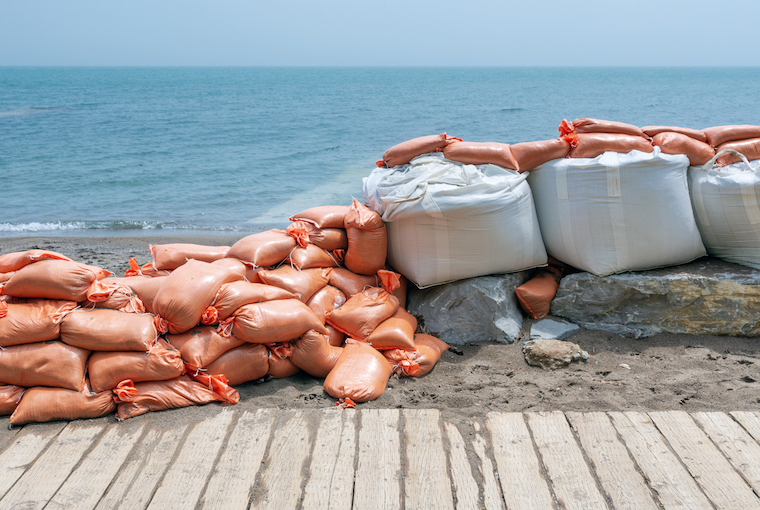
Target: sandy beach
column 663, row 372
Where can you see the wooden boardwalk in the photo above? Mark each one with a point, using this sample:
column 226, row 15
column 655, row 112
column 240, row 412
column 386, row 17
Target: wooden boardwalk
column 385, row 459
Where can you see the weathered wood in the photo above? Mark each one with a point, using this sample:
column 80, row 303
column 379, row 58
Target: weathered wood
column 377, row 482
column 7, row 435
column 35, row 488
column 720, row 482
column 235, row 473
column 86, row 485
column 491, row 492
column 750, row 421
column 186, row 477
column 465, row 486
column 523, row 483
column 426, row 483
column 331, row 472
column 742, row 451
column 611, row 461
column 282, row 475
column 574, row 485
column 667, row 477
column 26, row 446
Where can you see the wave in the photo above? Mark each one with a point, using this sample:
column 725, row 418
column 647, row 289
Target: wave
column 71, row 226
column 509, row 110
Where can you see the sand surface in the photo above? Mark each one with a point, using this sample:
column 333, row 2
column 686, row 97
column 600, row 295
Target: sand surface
column 664, row 372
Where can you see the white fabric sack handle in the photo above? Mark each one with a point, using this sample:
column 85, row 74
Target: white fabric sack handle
column 711, row 164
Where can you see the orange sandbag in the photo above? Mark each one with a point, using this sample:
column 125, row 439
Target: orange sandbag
column 54, row 279
column 528, row 155
column 264, row 249
column 14, row 261
column 248, row 362
column 34, row 321
column 171, row 256
column 361, row 373
column 326, row 299
column 404, row 152
column 279, row 367
column 324, row 216
column 271, row 321
column 586, row 125
column 301, row 283
column 367, row 240
column 591, row 145
column 232, row 296
column 351, row 283
column 310, row 257
column 44, row 364
column 219, row 385
column 10, row 395
column 335, row 337
column 140, row 398
column 101, row 329
column 248, row 271
column 481, row 153
column 400, row 291
column 428, row 350
column 363, row 312
column 698, row 152
column 114, row 296
column 108, row 369
column 4, row 277
column 750, row 148
column 313, row 354
column 396, row 332
column 49, row 404
column 144, row 287
column 202, row 345
column 718, row 135
column 301, row 232
column 696, row 134
column 535, row 295
column 188, row 291
column 330, row 239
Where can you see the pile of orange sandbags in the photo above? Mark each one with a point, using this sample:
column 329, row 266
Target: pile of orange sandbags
column 744, row 139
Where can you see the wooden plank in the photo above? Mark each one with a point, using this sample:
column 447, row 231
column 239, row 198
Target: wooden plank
column 491, row 493
column 89, row 481
column 742, row 451
column 574, row 485
column 331, row 472
column 134, row 485
column 26, row 446
column 750, row 421
column 378, row 473
column 720, row 482
column 522, row 480
column 281, row 478
column 465, row 486
column 35, row 488
column 184, row 480
column 426, row 483
column 613, row 465
column 7, row 434
column 235, row 473
column 671, row 483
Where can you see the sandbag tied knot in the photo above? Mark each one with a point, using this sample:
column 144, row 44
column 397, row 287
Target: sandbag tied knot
column 345, row 403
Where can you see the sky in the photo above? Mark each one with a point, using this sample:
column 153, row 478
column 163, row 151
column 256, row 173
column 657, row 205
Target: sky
column 379, row 33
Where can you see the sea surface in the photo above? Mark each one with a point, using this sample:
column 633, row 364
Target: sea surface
column 130, row 151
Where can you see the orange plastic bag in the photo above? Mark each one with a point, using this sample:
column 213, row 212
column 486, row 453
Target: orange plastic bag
column 280, row 367
column 232, row 296
column 428, row 350
column 363, row 312
column 302, row 283
column 10, row 396
column 248, row 271
column 698, row 152
column 34, row 321
column 361, row 373
column 171, row 256
column 528, row 155
column 535, row 296
column 108, row 369
column 271, row 321
column 249, row 362
column 586, row 125
column 330, row 239
column 335, row 337
column 404, row 152
column 696, row 134
column 188, row 291
column 265, row 249
column 114, row 296
column 11, row 262
column 310, row 257
column 140, row 398
column 144, row 287
column 49, row 404
column 44, row 364
column 327, row 299
column 750, row 148
column 591, row 145
column 718, row 135
column 202, row 345
column 54, row 279
column 101, row 329
column 313, row 354
column 219, row 385
column 481, row 153
column 396, row 332
column 351, row 283
column 4, row 277
column 367, row 240
column 325, row 216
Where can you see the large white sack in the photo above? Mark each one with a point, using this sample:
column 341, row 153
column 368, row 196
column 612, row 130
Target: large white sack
column 726, row 204
column 448, row 221
column 617, row 212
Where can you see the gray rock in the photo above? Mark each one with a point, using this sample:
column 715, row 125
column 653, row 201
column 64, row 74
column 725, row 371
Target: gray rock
column 551, row 329
column 552, row 354
column 472, row 310
column 705, row 297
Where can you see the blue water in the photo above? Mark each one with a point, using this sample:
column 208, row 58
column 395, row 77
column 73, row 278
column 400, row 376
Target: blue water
column 125, row 151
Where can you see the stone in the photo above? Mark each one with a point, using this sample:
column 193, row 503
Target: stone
column 552, row 354
column 478, row 309
column 705, row 297
column 551, row 329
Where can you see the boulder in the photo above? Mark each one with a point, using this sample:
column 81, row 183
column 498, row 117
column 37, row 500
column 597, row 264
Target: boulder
column 552, row 354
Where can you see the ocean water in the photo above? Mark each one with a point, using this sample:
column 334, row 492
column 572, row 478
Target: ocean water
column 129, row 151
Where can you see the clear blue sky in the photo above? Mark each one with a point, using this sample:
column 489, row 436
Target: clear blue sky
column 380, row 33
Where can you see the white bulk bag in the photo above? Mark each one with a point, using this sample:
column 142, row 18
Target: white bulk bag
column 617, row 212
column 726, row 204
column 447, row 221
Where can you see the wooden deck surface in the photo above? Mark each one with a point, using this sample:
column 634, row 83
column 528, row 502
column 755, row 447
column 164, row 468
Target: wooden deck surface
column 386, row 459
